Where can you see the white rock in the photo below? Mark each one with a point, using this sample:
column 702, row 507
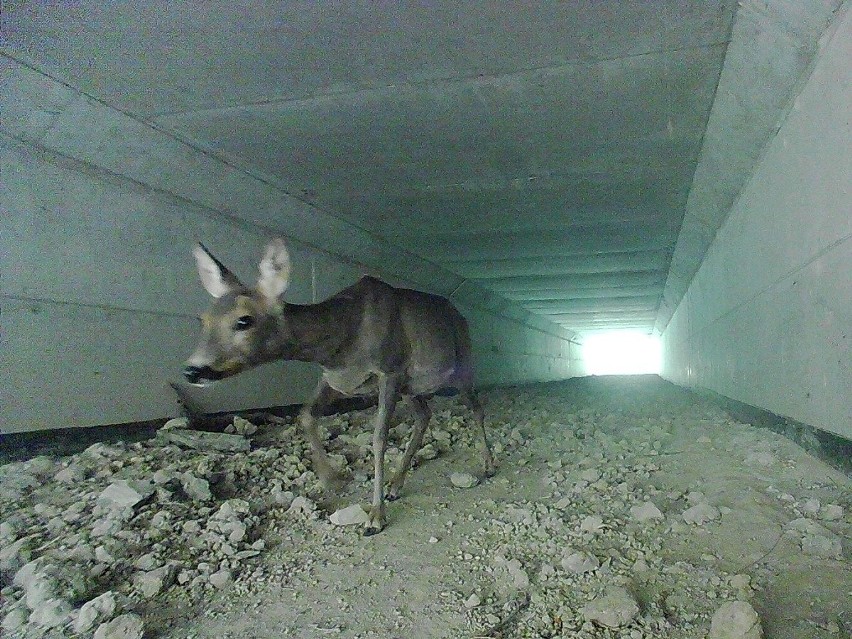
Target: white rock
column 822, row 546
column 71, row 474
column 427, row 452
column 161, row 519
column 741, row 582
column 762, row 458
column 221, row 579
column 237, row 532
column 197, row 488
column 700, row 514
column 233, row 508
column 472, row 602
column 14, row 485
column 695, row 497
column 811, row 506
column 15, row 619
column 106, row 526
column 590, row 475
column 592, row 524
column 736, row 620
column 150, row 583
column 281, row 497
column 147, row 561
column 580, row 562
column 645, row 512
column 104, row 556
column 163, row 476
column 349, row 516
column 546, row 572
column 125, row 494
column 815, row 539
column 244, row 426
column 94, row 611
column 302, row 506
column 37, row 581
column 203, row 440
column 99, row 450
column 463, row 480
column 8, row 531
column 364, row 440
column 176, row 422
column 514, row 576
column 128, row 626
column 15, row 555
column 615, row 609
column 563, row 503
column 41, row 466
column 831, row 512
column 51, row 613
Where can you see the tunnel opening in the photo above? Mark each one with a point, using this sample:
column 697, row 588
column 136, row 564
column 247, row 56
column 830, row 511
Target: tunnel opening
column 622, row 353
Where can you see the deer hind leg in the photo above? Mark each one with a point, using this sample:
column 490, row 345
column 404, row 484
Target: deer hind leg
column 414, row 444
column 332, row 480
column 388, row 388
column 472, row 400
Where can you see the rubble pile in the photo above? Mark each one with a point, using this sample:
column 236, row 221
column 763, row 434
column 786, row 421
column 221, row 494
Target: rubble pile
column 574, row 539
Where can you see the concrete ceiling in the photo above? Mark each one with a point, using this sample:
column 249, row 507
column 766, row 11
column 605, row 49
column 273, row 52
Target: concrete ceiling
column 543, row 151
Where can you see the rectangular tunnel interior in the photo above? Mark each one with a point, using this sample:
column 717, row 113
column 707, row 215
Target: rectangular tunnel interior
column 641, row 211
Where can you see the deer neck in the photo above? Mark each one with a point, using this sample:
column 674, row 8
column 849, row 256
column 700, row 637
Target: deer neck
column 320, row 332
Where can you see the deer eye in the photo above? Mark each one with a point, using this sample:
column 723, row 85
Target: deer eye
column 243, row 323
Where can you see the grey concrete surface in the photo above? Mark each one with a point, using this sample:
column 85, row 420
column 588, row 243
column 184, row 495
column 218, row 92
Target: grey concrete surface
column 554, row 168
column 100, row 300
column 767, row 319
column 458, row 133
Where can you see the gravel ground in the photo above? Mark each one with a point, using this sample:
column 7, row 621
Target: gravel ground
column 622, row 508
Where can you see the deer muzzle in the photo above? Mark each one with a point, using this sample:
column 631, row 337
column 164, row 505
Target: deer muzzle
column 201, row 374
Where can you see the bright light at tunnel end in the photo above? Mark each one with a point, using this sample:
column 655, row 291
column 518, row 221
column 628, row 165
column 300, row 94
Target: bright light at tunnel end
column 622, row 353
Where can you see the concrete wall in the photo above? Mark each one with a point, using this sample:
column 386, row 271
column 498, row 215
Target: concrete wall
column 99, row 290
column 767, row 320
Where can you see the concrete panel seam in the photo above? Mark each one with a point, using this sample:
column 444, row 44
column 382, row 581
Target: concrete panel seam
column 830, row 31
column 83, row 166
column 821, row 253
column 101, row 307
column 432, row 82
column 203, row 150
column 262, row 178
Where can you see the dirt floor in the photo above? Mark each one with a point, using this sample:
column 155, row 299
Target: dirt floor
column 622, row 507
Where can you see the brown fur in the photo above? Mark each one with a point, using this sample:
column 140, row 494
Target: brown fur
column 370, row 338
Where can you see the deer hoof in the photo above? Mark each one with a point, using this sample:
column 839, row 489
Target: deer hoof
column 376, row 522
column 393, row 491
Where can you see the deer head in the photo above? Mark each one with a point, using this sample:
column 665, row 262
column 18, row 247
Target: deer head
column 244, row 326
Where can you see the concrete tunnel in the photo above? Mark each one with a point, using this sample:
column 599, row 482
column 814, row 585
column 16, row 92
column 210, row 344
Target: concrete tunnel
column 577, row 178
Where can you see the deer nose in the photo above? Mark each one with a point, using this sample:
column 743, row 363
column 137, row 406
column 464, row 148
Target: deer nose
column 195, row 373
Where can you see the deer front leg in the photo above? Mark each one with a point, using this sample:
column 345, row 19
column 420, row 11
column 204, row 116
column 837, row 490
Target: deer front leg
column 414, row 444
column 473, row 402
column 331, row 480
column 388, row 386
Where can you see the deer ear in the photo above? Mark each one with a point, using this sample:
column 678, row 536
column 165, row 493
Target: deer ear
column 274, row 270
column 215, row 278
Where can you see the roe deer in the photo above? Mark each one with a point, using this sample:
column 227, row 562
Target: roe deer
column 369, row 338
